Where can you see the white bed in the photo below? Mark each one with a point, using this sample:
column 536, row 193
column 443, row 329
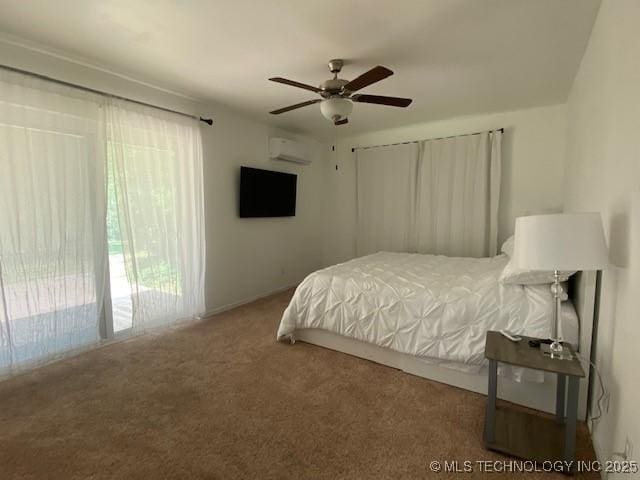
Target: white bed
column 428, row 315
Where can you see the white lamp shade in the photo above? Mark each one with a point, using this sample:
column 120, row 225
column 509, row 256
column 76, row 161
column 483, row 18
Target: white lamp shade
column 336, row 108
column 565, row 242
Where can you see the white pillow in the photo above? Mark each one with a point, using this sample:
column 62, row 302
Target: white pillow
column 512, row 275
column 507, row 246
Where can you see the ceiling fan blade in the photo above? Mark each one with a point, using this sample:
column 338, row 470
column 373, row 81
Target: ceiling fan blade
column 368, row 78
column 293, row 107
column 382, row 100
column 341, row 122
column 293, row 83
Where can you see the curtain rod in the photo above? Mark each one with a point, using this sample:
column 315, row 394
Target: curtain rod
column 208, row 121
column 353, row 149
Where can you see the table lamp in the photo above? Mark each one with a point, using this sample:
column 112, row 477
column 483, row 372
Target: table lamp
column 558, row 243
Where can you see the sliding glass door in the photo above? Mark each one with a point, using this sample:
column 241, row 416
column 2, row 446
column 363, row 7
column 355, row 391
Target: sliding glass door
column 155, row 217
column 101, row 219
column 120, row 289
column 51, row 225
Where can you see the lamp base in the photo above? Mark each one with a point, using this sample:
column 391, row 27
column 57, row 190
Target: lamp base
column 564, row 354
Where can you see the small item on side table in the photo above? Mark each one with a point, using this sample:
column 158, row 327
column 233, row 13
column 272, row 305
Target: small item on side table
column 516, row 432
column 513, row 338
column 539, row 341
column 545, row 347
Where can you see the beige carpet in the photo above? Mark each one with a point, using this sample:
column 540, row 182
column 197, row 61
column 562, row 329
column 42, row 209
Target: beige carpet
column 221, row 399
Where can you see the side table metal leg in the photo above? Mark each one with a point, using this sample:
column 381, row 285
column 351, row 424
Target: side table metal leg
column 572, row 416
column 561, row 392
column 492, row 393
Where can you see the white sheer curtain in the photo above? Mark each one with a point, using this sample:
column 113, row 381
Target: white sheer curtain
column 52, row 209
column 458, row 193
column 156, row 162
column 68, row 159
column 437, row 196
column 386, row 189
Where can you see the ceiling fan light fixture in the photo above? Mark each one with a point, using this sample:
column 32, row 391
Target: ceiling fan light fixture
column 336, row 108
column 337, row 94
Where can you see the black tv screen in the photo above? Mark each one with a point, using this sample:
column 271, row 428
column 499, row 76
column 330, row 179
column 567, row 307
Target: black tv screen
column 264, row 193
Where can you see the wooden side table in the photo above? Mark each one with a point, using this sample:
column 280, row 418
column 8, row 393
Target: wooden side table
column 526, row 435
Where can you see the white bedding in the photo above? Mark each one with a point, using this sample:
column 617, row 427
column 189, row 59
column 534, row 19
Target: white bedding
column 434, row 307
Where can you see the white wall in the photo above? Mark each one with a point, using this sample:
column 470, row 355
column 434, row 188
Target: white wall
column 245, row 257
column 254, row 256
column 603, row 174
column 533, row 152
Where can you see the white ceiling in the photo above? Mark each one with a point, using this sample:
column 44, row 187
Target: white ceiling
column 453, row 57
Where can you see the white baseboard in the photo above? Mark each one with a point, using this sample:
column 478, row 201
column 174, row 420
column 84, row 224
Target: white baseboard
column 230, row 306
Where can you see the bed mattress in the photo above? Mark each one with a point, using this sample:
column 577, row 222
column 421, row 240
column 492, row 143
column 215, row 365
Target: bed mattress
column 434, row 307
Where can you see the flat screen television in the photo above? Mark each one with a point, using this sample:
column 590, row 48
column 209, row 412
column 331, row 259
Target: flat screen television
column 265, row 193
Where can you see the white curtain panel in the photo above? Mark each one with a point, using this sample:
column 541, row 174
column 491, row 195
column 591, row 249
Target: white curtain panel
column 156, row 162
column 386, row 189
column 52, row 211
column 438, row 196
column 458, row 193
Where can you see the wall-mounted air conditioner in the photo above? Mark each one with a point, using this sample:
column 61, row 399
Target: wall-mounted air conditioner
column 288, row 150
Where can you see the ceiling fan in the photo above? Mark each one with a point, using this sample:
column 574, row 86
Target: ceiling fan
column 338, row 94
